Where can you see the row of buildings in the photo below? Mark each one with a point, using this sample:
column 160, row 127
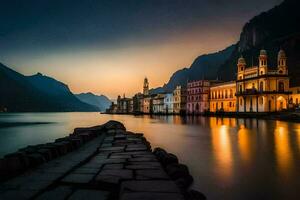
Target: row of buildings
column 256, row 89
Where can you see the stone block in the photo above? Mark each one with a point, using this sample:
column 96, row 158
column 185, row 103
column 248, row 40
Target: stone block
column 111, row 149
column 151, row 196
column 113, row 155
column 161, row 186
column 137, row 149
column 150, row 174
column 113, row 176
column 150, row 155
column 115, row 160
column 36, row 159
column 18, row 194
column 104, row 145
column 113, row 166
column 78, row 178
column 54, row 151
column 57, row 193
column 89, row 195
column 143, row 165
column 47, row 154
column 86, row 170
column 134, row 153
column 143, row 159
column 120, row 137
column 176, row 171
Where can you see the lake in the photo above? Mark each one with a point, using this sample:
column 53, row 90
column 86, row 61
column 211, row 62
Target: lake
column 228, row 158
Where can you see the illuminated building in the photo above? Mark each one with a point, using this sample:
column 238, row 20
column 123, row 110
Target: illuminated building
column 295, row 96
column 261, row 89
column 158, row 104
column 168, row 103
column 222, row 97
column 179, row 100
column 197, row 96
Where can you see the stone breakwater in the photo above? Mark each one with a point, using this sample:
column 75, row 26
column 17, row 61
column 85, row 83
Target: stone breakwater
column 101, row 162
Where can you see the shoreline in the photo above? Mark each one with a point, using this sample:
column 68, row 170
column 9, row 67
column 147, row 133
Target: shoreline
column 281, row 116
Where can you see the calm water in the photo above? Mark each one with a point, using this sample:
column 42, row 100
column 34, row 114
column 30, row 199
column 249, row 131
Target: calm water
column 229, row 158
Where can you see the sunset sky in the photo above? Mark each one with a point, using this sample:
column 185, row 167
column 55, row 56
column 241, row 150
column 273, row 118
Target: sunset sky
column 108, row 47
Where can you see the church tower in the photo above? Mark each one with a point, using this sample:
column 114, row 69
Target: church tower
column 146, row 87
column 263, row 62
column 241, row 68
column 281, row 59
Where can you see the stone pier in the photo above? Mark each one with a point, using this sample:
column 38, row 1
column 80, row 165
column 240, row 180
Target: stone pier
column 104, row 162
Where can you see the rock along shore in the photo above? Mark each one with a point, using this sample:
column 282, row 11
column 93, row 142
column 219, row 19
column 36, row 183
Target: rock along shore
column 101, row 162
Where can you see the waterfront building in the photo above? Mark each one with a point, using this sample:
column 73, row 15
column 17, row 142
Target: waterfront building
column 260, row 88
column 197, row 96
column 124, row 104
column 222, row 97
column 147, row 104
column 138, row 100
column 179, row 100
column 295, row 96
column 113, row 109
column 158, row 104
column 168, row 103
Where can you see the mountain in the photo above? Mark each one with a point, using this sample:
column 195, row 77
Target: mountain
column 36, row 93
column 100, row 101
column 271, row 30
column 204, row 67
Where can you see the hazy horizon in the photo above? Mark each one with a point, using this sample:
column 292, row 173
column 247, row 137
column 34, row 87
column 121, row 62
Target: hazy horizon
column 108, row 47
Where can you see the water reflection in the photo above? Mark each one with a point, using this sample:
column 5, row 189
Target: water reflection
column 229, row 158
column 245, row 144
column 222, row 152
column 283, row 152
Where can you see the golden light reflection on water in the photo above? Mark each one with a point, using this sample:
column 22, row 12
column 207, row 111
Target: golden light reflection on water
column 220, row 153
column 282, row 149
column 222, row 149
column 297, row 129
column 244, row 143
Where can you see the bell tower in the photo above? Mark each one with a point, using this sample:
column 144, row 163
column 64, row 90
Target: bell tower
column 146, row 87
column 281, row 59
column 263, row 62
column 241, row 65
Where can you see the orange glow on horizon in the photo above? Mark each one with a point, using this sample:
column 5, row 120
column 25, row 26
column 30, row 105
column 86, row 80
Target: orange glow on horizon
column 118, row 70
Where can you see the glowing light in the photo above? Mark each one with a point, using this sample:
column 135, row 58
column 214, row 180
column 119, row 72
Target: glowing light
column 282, row 149
column 244, row 142
column 222, row 151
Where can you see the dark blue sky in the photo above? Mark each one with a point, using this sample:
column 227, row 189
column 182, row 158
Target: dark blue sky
column 34, row 34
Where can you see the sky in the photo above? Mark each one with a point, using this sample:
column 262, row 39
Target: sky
column 108, row 47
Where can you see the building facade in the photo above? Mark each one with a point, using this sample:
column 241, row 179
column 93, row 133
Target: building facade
column 295, row 97
column 222, row 97
column 124, row 105
column 147, row 105
column 179, row 100
column 260, row 88
column 168, row 103
column 158, row 104
column 197, row 97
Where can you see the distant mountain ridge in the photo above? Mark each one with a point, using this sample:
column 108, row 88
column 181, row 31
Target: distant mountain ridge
column 100, row 101
column 204, row 67
column 36, row 93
